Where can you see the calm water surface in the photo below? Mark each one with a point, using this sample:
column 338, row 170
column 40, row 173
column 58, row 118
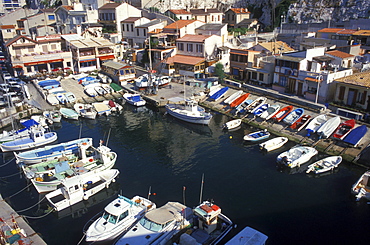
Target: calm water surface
column 158, row 151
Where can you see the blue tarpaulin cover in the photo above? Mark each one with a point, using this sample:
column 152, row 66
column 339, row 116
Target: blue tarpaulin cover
column 61, row 167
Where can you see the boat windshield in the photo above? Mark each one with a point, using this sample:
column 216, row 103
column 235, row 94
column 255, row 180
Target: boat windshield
column 109, row 217
column 150, row 225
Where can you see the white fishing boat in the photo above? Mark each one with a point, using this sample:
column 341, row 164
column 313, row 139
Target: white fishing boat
column 51, row 152
column 362, row 187
column 117, row 218
column 232, row 124
column 55, row 116
column 293, row 116
column 61, row 97
column 85, row 110
column 248, row 236
column 46, row 176
column 134, row 99
column 273, row 144
column 102, row 108
column 80, row 188
column 257, row 136
column 296, row 156
column 233, row 97
column 328, row 127
column 270, row 112
column 36, row 138
column 315, row 124
column 69, row 113
column 324, row 165
column 7, row 136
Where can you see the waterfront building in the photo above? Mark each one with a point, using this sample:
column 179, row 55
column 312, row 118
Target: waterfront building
column 119, row 71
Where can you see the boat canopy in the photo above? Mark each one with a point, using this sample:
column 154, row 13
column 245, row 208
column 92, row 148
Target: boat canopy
column 27, row 124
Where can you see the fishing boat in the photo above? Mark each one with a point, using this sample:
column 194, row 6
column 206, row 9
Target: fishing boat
column 46, row 176
column 118, row 217
column 283, row 112
column 219, row 93
column 255, row 104
column 239, row 100
column 189, row 112
column 233, row 97
column 328, row 127
column 259, row 110
column 102, row 108
column 296, row 156
column 232, row 124
column 301, row 122
column 55, row 116
column 344, row 128
column 80, row 188
column 270, row 112
column 362, row 187
column 37, row 137
column 293, row 116
column 273, row 144
column 69, row 113
column 248, row 236
column 85, row 110
column 324, row 165
column 256, row 136
column 134, row 99
column 51, row 152
column 7, row 136
column 107, row 88
column 315, row 124
column 354, row 137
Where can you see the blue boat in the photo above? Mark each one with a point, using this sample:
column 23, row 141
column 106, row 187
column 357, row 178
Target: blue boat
column 354, row 137
column 219, row 93
column 293, row 116
column 87, row 80
column 259, row 110
column 256, row 136
column 241, row 108
column 49, row 84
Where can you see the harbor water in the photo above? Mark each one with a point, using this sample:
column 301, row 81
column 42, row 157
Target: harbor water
column 169, row 157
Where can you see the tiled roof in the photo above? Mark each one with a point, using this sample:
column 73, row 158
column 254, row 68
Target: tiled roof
column 338, row 30
column 7, row 26
column 193, row 38
column 131, row 19
column 360, row 79
column 362, row 33
column 240, row 10
column 339, row 54
column 179, row 24
column 211, row 26
column 278, row 46
column 204, row 11
column 110, row 6
column 67, row 7
column 16, row 38
column 185, row 59
column 179, row 11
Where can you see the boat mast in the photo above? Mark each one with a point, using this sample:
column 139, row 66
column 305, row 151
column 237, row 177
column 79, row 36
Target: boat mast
column 201, row 189
column 108, row 136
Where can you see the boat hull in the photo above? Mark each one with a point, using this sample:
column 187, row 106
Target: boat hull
column 201, row 119
column 324, row 165
column 27, row 143
column 273, row 144
column 296, row 156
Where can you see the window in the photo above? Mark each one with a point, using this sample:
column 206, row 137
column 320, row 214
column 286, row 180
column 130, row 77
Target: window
column 342, row 89
column 123, row 27
column 8, row 30
column 51, row 17
column 137, row 32
column 123, row 215
column 190, row 47
column 180, row 46
column 261, row 76
column 199, row 48
column 361, row 97
column 144, row 30
column 132, row 27
column 254, row 75
column 282, row 81
column 45, row 48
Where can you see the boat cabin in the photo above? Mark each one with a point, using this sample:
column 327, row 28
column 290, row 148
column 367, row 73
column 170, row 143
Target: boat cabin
column 207, row 214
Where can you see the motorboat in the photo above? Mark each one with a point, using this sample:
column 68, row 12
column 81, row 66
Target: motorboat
column 259, row 110
column 315, row 124
column 296, row 156
column 46, row 176
column 114, row 106
column 324, row 165
column 54, row 116
column 52, row 99
column 85, row 110
column 233, row 97
column 134, row 99
column 362, row 187
column 248, row 236
column 102, row 108
column 257, row 136
column 100, row 90
column 37, row 137
column 90, row 90
column 69, row 113
column 80, row 188
column 354, row 137
column 344, row 128
column 301, row 122
column 270, row 112
column 219, row 93
column 232, row 124
column 239, row 100
column 84, row 81
column 71, row 97
column 328, row 127
column 190, row 111
column 283, row 112
column 255, row 104
column 51, row 152
column 7, row 136
column 49, row 84
column 104, row 78
column 158, row 225
column 107, row 88
column 117, row 218
column 273, row 144
column 293, row 116
column 242, row 107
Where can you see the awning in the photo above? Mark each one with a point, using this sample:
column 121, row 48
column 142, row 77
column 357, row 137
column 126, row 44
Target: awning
column 42, row 62
column 82, row 61
column 107, row 57
column 312, row 79
column 17, row 66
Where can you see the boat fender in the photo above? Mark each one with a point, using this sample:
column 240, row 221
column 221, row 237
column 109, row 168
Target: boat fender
column 39, row 179
column 85, row 197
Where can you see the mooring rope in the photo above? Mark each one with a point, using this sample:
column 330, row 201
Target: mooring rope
column 20, row 190
column 38, row 217
column 81, row 239
column 7, row 162
column 4, row 177
column 19, row 211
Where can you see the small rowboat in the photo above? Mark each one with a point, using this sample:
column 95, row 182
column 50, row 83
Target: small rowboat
column 324, row 165
column 69, row 113
column 273, row 144
column 255, row 104
column 354, row 137
column 293, row 116
column 344, row 129
column 232, row 124
column 315, row 124
column 239, row 100
column 258, row 111
column 270, row 112
column 243, row 106
column 233, row 97
column 282, row 113
column 256, row 136
column 328, row 127
column 301, row 122
column 218, row 94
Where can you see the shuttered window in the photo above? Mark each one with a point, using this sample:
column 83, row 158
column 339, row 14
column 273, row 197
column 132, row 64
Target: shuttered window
column 342, row 89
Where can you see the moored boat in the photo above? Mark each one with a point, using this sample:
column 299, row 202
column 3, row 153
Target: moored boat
column 69, row 113
column 354, row 137
column 315, row 124
column 233, row 97
column 296, row 156
column 328, row 127
column 362, row 187
column 232, row 124
column 219, row 93
column 134, row 99
column 293, row 116
column 270, row 112
column 256, row 136
column 283, row 112
column 55, row 116
column 273, row 144
column 259, row 110
column 344, row 128
column 324, row 165
column 243, row 106
column 85, row 110
column 102, row 108
column 239, row 100
column 7, row 136
column 255, row 104
column 301, row 122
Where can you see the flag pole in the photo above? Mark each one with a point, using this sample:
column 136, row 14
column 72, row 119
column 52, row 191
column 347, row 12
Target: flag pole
column 150, row 189
column 201, row 189
column 183, row 194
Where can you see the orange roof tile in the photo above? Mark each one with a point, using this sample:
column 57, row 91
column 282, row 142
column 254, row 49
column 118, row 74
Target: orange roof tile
column 179, row 24
column 67, row 7
column 339, row 54
column 179, row 11
column 240, row 10
column 330, row 30
column 362, row 33
column 7, row 26
column 193, row 38
column 185, row 59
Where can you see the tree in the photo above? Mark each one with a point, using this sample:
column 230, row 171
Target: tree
column 219, row 71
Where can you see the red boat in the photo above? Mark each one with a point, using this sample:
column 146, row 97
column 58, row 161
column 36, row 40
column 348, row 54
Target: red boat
column 344, row 128
column 282, row 113
column 301, row 122
column 239, row 100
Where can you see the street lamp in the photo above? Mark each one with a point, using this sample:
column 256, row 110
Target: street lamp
column 318, row 80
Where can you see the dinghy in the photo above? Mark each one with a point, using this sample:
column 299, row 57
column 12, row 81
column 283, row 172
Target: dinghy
column 255, row 104
column 283, row 112
column 258, row 111
column 301, row 122
column 232, row 124
column 256, row 136
column 55, row 116
column 233, row 97
column 315, row 124
column 270, row 112
column 328, row 127
column 113, row 106
column 90, row 90
column 242, row 107
column 134, row 99
column 85, row 110
column 52, row 99
column 239, row 100
column 69, row 113
column 102, row 108
column 362, row 187
column 354, row 137
column 80, row 188
column 71, row 98
column 293, row 116
column 324, row 165
column 344, row 128
column 273, row 144
column 84, row 81
column 219, row 93
column 296, row 156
